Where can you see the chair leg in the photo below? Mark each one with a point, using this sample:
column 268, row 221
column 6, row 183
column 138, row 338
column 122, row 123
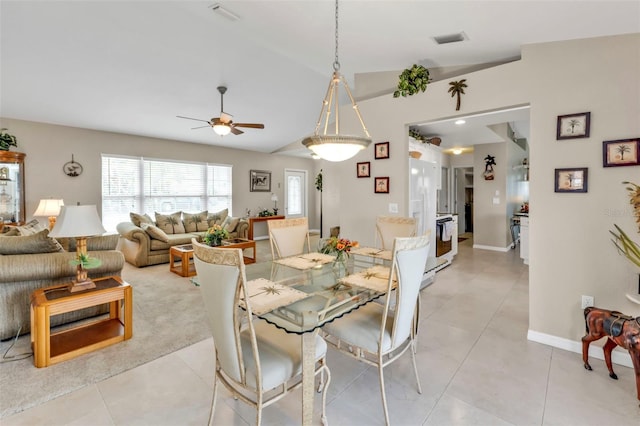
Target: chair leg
column 213, row 401
column 324, row 393
column 415, row 366
column 384, row 396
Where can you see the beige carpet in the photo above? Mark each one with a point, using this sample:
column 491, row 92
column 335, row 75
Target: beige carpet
column 167, row 316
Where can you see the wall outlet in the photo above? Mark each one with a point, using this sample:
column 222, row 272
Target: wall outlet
column 587, row 301
column 393, row 207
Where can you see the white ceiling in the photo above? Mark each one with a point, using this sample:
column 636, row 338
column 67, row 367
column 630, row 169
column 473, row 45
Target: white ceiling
column 132, row 66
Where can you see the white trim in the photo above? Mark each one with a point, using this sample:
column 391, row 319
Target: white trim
column 502, row 249
column 618, row 356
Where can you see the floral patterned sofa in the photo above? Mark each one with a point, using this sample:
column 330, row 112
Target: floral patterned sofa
column 145, row 242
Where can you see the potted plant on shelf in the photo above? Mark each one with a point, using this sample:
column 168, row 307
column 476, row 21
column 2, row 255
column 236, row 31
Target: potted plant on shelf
column 7, row 140
column 412, row 80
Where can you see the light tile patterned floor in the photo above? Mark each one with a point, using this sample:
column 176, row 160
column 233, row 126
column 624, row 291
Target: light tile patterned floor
column 475, row 364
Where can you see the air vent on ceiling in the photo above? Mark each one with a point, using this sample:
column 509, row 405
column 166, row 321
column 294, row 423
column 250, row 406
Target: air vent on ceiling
column 217, row 7
column 451, row 38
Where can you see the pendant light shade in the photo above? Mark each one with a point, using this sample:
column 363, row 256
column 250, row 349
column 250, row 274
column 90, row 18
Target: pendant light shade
column 336, row 147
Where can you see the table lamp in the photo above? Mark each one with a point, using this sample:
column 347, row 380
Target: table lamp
column 79, row 222
column 49, row 208
column 274, row 198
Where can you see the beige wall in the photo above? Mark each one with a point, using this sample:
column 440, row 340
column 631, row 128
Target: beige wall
column 570, row 249
column 48, row 147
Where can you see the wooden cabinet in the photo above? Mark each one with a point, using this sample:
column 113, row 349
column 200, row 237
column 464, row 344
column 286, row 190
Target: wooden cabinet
column 12, row 199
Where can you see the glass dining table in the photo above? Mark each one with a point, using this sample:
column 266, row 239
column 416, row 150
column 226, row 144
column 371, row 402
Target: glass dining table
column 300, row 294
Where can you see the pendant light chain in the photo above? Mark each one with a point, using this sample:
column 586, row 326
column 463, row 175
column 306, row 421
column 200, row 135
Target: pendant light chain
column 336, row 63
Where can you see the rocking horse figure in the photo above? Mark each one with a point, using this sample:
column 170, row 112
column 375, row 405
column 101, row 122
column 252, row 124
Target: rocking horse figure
column 621, row 330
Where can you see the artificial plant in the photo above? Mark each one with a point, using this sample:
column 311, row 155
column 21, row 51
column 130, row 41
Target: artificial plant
column 7, row 140
column 412, row 80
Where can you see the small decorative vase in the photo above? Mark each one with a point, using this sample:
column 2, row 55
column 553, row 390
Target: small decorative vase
column 215, row 242
column 340, row 264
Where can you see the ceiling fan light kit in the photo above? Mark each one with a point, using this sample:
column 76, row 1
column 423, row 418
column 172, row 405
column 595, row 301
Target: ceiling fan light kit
column 336, row 147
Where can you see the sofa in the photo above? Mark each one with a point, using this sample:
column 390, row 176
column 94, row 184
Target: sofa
column 144, row 241
column 30, row 262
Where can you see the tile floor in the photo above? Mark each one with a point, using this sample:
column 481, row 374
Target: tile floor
column 475, row 363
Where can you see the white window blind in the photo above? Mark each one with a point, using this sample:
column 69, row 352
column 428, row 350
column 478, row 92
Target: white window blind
column 144, row 185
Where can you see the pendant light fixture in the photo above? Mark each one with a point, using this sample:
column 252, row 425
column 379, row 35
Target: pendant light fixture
column 336, row 147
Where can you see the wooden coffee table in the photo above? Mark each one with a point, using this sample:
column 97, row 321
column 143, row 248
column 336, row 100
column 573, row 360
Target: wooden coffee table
column 184, row 267
column 51, row 348
column 243, row 244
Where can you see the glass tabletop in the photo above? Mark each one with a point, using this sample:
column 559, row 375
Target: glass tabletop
column 330, row 289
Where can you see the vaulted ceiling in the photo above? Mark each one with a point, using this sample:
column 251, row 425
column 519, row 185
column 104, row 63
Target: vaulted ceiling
column 133, row 66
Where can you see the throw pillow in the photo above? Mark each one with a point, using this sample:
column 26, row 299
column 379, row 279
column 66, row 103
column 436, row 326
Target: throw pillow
column 171, row 223
column 30, row 228
column 137, row 219
column 195, row 222
column 217, row 218
column 10, row 231
column 232, row 224
column 39, row 242
column 155, row 232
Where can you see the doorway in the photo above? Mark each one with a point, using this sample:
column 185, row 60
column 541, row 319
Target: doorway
column 295, row 193
column 463, row 202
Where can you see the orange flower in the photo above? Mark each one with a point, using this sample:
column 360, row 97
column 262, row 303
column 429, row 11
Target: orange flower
column 340, row 246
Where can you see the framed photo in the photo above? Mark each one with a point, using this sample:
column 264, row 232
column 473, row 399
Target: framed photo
column 364, row 169
column 382, row 185
column 260, row 180
column 571, row 180
column 573, row 126
column 623, row 152
column 382, row 150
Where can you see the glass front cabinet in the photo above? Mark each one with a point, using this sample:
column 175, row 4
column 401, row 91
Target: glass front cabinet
column 12, row 200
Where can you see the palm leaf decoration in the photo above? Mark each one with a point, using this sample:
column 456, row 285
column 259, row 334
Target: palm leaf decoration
column 457, row 89
column 625, row 245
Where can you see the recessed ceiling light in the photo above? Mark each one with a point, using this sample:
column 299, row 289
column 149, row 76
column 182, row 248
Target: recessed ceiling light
column 460, row 122
column 457, row 151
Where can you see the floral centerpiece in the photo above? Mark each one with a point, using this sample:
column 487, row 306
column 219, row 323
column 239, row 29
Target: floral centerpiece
column 340, row 246
column 215, row 235
column 625, row 245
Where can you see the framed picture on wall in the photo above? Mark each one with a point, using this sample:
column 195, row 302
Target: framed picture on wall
column 382, row 185
column 573, row 126
column 260, row 180
column 364, row 169
column 571, row 180
column 382, row 150
column 622, row 152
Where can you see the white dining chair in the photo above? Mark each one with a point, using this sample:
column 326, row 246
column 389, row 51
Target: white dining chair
column 288, row 236
column 390, row 227
column 256, row 361
column 374, row 333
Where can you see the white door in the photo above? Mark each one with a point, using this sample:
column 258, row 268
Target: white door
column 295, row 193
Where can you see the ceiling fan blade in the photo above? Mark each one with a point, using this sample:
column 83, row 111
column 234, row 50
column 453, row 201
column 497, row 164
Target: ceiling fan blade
column 236, row 131
column 189, row 118
column 225, row 118
column 200, row 127
column 251, row 125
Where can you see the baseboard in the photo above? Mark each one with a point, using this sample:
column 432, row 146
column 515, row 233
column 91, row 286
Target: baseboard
column 501, row 249
column 595, row 351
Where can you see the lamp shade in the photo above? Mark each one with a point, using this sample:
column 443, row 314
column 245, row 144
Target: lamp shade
column 78, row 221
column 274, row 197
column 48, row 207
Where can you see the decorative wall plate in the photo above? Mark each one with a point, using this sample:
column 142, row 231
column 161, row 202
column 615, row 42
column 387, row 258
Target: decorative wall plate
column 72, row 168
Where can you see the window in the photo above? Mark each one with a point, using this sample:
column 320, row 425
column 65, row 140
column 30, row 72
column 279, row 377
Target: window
column 145, row 185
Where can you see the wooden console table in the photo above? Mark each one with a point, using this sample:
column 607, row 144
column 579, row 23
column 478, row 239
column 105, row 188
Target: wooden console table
column 49, row 349
column 252, row 220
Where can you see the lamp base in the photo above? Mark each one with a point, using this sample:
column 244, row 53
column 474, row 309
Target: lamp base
column 81, row 286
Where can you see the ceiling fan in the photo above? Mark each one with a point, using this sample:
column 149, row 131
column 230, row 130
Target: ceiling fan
column 224, row 124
